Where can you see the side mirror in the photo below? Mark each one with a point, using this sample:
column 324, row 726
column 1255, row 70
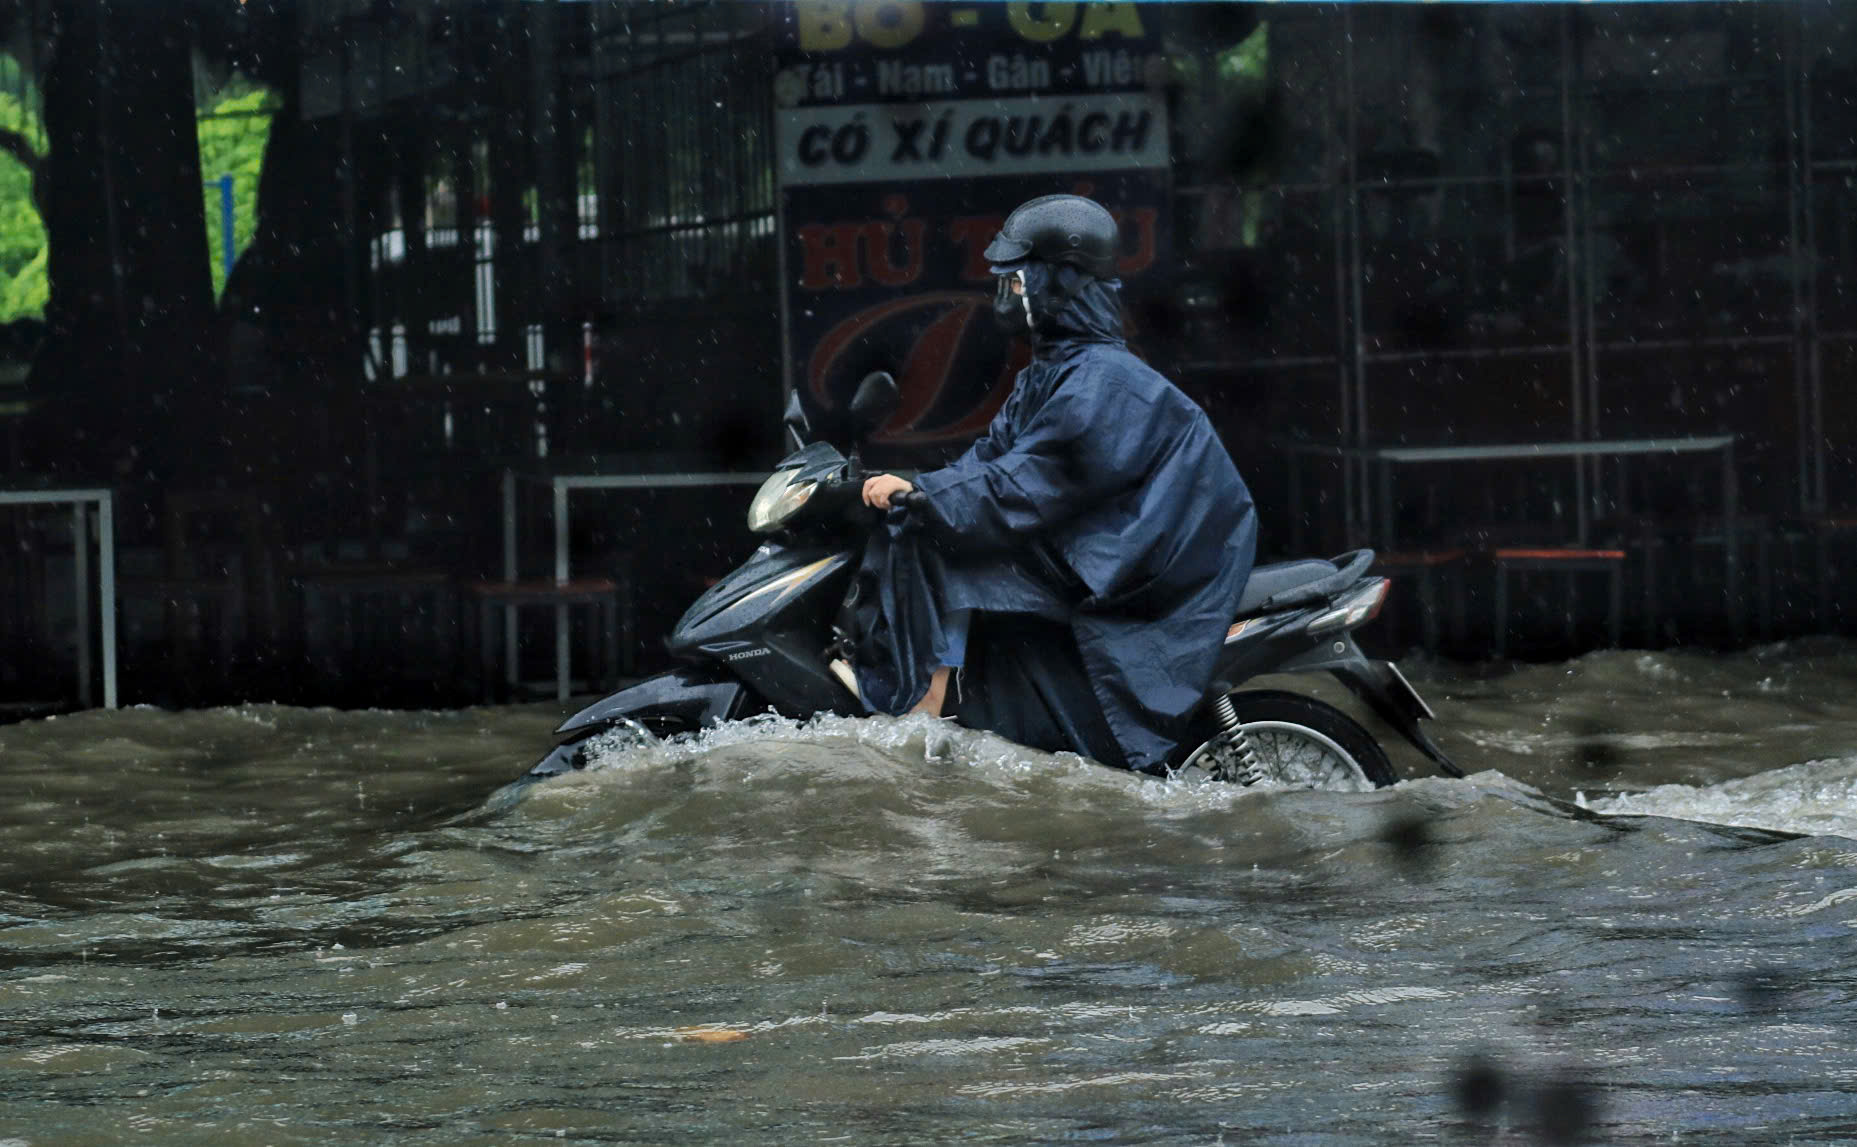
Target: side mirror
column 876, row 399
column 795, row 419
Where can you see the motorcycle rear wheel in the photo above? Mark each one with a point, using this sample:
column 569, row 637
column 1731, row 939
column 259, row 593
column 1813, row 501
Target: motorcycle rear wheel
column 1294, row 742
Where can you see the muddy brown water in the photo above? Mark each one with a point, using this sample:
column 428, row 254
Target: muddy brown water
column 1633, row 923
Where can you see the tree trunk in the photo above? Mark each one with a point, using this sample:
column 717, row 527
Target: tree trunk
column 130, row 317
column 296, row 302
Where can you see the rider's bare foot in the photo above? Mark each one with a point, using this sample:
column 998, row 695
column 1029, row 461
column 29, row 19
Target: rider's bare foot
column 842, row 670
column 937, row 693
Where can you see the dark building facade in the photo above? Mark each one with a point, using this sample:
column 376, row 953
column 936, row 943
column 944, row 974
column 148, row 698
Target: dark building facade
column 544, row 234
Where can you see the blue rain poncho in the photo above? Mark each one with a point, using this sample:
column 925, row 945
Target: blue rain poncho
column 1101, row 502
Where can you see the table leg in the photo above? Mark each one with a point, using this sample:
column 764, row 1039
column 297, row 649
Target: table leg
column 445, row 633
column 609, row 616
column 1615, row 607
column 509, row 525
column 509, row 575
column 1653, row 593
column 561, row 650
column 1822, row 568
column 106, row 576
column 1731, row 541
column 80, row 550
column 370, row 467
column 1581, row 511
column 486, row 649
column 1573, row 604
column 1763, row 590
column 1460, row 605
column 1502, row 610
column 1296, row 507
column 1385, row 509
column 561, row 653
column 1428, row 605
column 627, row 627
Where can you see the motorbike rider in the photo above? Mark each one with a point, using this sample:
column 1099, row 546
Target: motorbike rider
column 1080, row 563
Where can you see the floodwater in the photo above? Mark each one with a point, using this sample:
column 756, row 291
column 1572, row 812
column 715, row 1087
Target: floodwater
column 265, row 925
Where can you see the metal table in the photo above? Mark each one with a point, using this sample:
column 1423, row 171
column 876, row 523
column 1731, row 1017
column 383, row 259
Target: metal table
column 1386, row 457
column 1383, row 460
column 79, row 500
column 561, row 483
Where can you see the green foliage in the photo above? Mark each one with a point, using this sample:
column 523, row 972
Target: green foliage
column 23, row 285
column 1244, row 72
column 1248, row 62
column 232, row 139
column 25, row 294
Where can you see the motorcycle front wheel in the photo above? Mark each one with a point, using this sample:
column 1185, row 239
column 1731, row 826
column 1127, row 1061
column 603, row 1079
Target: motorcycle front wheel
column 1286, row 740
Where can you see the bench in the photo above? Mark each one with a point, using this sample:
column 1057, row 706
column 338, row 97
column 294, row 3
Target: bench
column 1827, row 531
column 368, row 610
column 1654, row 537
column 1424, row 566
column 601, row 594
column 1560, row 559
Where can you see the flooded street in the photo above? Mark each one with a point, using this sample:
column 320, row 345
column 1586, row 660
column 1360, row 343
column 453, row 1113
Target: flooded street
column 266, row 925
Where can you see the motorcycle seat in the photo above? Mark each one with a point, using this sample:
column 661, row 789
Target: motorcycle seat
column 1269, row 581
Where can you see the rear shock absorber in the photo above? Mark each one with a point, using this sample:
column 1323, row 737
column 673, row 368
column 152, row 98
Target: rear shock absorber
column 1250, row 769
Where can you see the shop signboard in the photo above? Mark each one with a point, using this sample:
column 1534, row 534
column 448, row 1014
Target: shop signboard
column 905, row 132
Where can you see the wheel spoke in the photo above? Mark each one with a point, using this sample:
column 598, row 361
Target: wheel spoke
column 1301, row 758
column 1285, row 741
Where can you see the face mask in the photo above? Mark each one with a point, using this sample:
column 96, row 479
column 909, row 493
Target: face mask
column 1012, row 308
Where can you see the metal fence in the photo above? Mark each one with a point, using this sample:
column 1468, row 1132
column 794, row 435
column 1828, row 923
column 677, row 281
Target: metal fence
column 681, row 171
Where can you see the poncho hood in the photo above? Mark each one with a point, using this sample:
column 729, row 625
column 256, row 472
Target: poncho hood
column 1070, row 306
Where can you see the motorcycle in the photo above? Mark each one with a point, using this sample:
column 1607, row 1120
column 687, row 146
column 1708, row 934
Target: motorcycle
column 761, row 639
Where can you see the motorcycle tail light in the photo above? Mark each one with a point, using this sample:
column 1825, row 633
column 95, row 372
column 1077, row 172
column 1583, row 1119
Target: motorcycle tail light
column 1357, row 607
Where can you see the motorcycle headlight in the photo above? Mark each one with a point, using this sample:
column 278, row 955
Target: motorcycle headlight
column 778, row 499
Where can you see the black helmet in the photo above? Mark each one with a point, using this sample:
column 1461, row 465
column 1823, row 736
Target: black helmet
column 1059, row 229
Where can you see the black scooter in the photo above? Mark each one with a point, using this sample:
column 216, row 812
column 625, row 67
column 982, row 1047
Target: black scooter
column 757, row 641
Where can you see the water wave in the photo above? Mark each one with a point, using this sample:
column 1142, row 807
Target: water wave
column 1813, row 798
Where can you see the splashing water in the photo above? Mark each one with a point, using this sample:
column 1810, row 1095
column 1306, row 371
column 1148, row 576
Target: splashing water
column 1814, row 798
column 274, row 925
